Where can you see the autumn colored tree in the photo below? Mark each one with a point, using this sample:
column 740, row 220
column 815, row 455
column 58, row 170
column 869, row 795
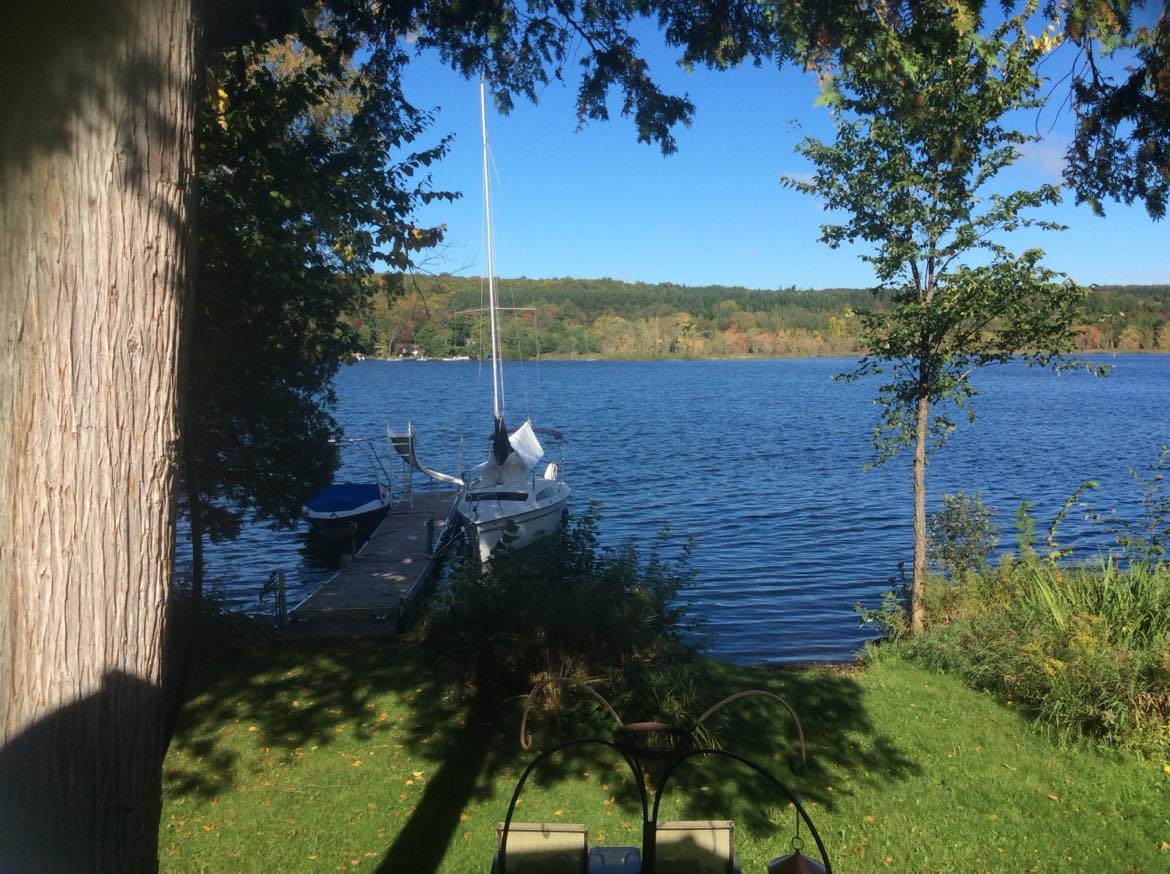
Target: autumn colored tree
column 307, row 178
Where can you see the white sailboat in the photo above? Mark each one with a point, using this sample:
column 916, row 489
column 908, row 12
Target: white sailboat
column 505, row 493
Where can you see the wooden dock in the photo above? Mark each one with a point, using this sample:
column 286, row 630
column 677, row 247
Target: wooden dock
column 388, row 573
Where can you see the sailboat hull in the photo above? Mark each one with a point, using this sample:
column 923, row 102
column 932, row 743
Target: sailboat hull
column 488, row 522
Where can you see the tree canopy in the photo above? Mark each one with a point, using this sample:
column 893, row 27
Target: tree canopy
column 309, row 175
column 1121, row 148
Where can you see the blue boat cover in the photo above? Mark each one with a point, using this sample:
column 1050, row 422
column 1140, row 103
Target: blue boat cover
column 340, row 497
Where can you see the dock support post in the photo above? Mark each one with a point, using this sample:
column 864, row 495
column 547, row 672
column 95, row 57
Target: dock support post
column 431, row 536
column 281, row 603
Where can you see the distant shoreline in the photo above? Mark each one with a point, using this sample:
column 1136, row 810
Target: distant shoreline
column 827, row 357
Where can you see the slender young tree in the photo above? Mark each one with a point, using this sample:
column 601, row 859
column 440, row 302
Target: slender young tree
column 920, row 106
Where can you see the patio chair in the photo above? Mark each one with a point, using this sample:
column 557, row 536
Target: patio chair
column 544, row 848
column 695, row 847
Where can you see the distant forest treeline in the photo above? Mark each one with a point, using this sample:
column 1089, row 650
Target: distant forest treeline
column 605, row 318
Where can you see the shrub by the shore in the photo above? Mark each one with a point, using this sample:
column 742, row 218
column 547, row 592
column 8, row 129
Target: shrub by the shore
column 567, row 608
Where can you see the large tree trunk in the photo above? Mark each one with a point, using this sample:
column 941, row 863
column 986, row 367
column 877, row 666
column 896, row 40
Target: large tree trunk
column 918, row 580
column 95, row 187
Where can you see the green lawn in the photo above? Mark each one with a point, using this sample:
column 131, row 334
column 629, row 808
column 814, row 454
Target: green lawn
column 327, row 756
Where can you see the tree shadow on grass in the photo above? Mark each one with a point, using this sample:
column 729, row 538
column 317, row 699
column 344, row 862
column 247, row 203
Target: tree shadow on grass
column 468, row 746
column 287, row 696
column 299, row 694
column 845, row 751
column 295, row 694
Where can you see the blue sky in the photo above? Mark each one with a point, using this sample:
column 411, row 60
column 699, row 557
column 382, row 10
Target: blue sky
column 596, row 203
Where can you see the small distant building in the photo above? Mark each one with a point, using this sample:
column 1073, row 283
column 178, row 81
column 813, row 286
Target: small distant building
column 407, row 350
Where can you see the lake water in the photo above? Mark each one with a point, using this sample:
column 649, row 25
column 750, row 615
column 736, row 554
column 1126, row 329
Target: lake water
column 762, row 462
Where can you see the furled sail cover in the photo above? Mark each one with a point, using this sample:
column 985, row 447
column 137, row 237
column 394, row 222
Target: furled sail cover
column 501, row 447
column 526, row 445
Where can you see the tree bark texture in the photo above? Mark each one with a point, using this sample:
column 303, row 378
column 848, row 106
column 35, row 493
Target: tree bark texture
column 96, row 182
column 918, row 579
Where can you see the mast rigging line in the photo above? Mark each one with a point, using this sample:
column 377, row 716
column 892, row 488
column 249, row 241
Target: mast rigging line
column 487, row 211
column 499, row 402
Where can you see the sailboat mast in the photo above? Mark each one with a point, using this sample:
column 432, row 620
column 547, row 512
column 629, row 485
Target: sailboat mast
column 491, row 273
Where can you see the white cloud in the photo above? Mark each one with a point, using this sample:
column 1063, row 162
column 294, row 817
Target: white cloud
column 805, row 176
column 1045, row 158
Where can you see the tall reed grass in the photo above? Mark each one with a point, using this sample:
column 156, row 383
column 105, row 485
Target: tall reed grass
column 1086, row 649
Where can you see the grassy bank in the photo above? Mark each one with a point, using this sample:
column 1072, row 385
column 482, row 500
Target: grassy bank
column 326, row 756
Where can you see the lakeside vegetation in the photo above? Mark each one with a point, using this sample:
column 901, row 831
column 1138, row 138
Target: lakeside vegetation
column 1083, row 648
column 606, row 318
column 157, row 165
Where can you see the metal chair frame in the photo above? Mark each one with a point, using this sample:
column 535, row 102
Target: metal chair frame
column 629, row 752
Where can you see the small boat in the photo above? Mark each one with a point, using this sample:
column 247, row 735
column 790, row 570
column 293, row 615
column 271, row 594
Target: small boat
column 342, row 510
column 504, row 498
column 507, row 497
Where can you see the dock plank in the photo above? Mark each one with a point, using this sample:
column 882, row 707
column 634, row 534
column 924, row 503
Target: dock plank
column 388, row 572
